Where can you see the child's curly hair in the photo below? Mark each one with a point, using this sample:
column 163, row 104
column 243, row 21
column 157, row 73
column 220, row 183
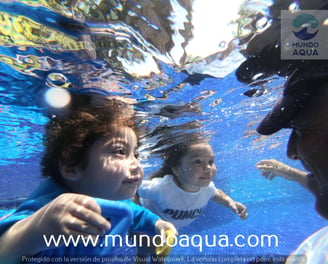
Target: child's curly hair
column 69, row 136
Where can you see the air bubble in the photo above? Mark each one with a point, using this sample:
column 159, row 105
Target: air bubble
column 57, row 80
column 223, row 44
column 57, row 97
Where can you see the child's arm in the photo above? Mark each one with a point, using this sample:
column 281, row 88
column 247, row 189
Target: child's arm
column 68, row 214
column 272, row 168
column 224, row 199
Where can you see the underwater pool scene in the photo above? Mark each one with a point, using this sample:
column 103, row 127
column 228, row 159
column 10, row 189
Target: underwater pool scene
column 179, row 61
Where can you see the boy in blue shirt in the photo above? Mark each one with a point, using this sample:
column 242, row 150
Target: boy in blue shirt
column 90, row 151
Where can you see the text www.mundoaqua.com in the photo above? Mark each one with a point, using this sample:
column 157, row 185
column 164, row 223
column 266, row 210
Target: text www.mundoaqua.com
column 197, row 241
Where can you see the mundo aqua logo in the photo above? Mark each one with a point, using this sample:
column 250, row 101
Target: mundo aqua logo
column 304, row 35
column 305, row 22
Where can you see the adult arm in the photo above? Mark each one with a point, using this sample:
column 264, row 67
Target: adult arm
column 272, row 168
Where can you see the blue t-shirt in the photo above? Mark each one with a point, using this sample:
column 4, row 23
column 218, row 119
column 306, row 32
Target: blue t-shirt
column 143, row 221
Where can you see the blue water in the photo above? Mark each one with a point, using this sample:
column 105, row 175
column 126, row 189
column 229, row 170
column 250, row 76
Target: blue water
column 278, row 207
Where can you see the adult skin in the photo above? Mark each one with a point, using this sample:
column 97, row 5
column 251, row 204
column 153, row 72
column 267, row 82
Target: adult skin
column 308, row 143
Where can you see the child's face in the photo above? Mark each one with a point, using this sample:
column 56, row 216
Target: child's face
column 196, row 168
column 113, row 171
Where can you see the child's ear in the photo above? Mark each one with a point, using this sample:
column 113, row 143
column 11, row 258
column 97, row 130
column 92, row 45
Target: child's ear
column 68, row 172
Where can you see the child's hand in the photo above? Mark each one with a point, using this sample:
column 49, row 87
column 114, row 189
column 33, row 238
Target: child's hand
column 161, row 226
column 239, row 209
column 168, row 234
column 68, row 214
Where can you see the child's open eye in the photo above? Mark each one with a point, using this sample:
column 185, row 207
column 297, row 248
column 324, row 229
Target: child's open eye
column 119, row 151
column 211, row 162
column 136, row 154
column 197, row 161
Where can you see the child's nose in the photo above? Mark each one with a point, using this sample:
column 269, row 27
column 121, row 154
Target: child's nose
column 135, row 166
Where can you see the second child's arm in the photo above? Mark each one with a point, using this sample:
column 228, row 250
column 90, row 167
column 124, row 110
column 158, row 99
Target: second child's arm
column 224, row 199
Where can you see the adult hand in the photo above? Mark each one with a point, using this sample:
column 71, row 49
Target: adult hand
column 272, row 168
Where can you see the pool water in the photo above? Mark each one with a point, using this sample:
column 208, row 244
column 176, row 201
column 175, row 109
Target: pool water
column 116, row 48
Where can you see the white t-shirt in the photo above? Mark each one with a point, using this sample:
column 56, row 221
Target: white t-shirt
column 313, row 250
column 164, row 198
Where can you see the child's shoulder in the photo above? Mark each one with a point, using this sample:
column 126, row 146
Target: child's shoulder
column 158, row 180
